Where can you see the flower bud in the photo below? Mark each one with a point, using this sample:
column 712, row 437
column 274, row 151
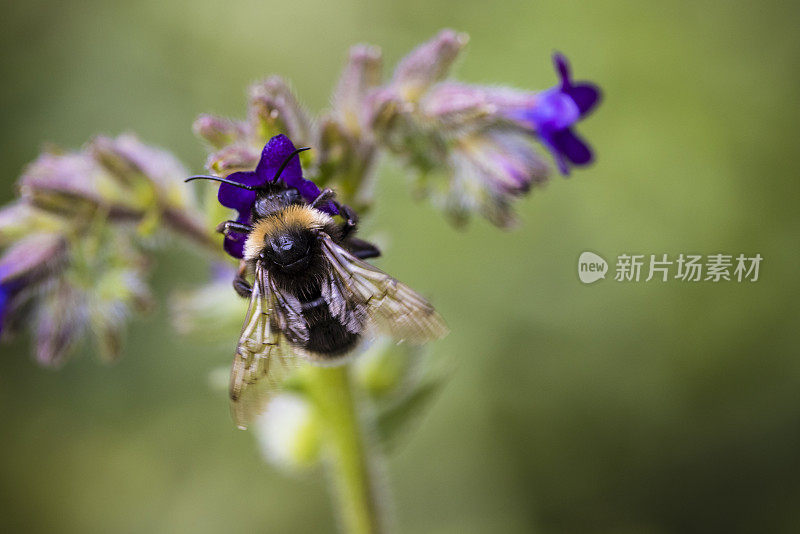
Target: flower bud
column 459, row 108
column 233, row 158
column 14, row 220
column 274, row 110
column 383, row 107
column 335, row 156
column 72, row 185
column 345, row 163
column 117, row 292
column 427, row 64
column 488, row 170
column 17, row 220
column 118, row 177
column 26, row 267
column 334, row 148
column 218, row 131
column 142, row 168
column 61, row 322
column 382, row 368
column 33, row 258
column 361, row 74
column 288, row 433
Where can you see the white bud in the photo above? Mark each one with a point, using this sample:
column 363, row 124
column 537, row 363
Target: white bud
column 287, row 432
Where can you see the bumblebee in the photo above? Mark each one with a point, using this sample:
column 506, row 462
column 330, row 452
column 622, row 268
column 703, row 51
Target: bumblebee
column 312, row 294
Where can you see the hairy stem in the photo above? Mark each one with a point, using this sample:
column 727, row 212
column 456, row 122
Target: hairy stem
column 351, row 460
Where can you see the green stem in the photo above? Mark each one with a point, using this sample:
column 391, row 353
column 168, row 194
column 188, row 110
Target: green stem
column 352, row 468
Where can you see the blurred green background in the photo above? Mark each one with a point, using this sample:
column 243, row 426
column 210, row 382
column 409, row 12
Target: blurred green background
column 610, row 408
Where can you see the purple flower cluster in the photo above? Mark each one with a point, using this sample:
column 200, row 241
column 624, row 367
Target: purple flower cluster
column 479, row 136
column 476, row 141
column 72, row 262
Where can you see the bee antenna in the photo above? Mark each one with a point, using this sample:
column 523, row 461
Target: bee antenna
column 249, row 187
column 222, row 180
column 286, row 162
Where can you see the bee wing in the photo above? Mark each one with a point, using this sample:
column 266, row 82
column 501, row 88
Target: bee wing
column 391, row 307
column 263, row 358
column 288, row 315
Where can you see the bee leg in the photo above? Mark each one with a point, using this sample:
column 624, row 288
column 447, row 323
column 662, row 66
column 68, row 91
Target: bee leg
column 361, row 249
column 233, row 226
column 326, row 194
column 350, row 219
column 242, row 287
column 240, row 283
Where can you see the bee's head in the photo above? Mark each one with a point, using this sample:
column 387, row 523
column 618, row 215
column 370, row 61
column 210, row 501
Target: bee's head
column 288, row 240
column 290, row 251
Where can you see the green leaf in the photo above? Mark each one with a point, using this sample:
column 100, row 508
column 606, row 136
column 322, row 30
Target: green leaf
column 397, row 419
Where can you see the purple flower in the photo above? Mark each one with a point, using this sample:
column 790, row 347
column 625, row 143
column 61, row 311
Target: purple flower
column 10, row 289
column 26, row 264
column 274, row 154
column 553, row 113
column 13, row 299
column 5, row 295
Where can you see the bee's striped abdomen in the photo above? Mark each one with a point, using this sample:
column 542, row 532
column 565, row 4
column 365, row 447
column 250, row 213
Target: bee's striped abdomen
column 327, row 336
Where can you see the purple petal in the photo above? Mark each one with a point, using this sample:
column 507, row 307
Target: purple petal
column 272, row 157
column 547, row 140
column 585, row 96
column 274, row 154
column 5, row 295
column 8, row 292
column 234, row 241
column 553, row 110
column 328, row 208
column 245, row 218
column 572, row 146
column 309, row 191
column 562, row 67
column 233, row 197
column 234, row 244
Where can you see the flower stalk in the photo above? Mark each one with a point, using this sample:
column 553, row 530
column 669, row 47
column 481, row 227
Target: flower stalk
column 351, row 457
